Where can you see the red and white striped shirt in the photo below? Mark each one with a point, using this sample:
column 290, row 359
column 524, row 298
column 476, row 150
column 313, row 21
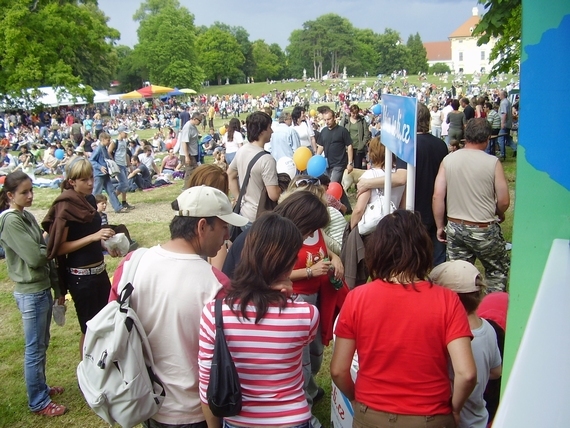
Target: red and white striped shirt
column 267, row 357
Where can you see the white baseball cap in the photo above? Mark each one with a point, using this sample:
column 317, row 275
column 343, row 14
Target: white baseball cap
column 457, row 275
column 204, row 201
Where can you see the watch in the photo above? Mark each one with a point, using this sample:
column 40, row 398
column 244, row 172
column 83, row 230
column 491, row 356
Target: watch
column 351, row 163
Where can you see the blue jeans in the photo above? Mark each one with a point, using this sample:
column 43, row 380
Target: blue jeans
column 104, row 181
column 36, row 316
column 122, row 178
column 505, row 139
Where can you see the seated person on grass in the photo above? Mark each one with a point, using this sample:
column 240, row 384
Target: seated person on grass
column 139, row 177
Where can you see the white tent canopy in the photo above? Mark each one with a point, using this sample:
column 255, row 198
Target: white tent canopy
column 50, row 98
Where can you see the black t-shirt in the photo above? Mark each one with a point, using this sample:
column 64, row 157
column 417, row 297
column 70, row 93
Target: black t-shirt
column 335, row 141
column 234, row 255
column 469, row 112
column 91, row 253
column 145, row 175
column 430, row 152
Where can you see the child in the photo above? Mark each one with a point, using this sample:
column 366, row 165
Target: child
column 454, row 145
column 220, row 160
column 121, row 228
column 464, row 278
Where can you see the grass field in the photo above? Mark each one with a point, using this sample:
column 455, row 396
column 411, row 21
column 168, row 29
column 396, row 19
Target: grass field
column 148, row 225
column 257, row 89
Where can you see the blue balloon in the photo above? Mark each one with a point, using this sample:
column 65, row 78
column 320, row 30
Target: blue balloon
column 59, row 154
column 317, row 166
column 377, row 109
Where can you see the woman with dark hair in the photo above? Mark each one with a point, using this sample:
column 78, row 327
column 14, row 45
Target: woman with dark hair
column 303, row 128
column 261, row 307
column 28, row 266
column 456, row 121
column 311, row 274
column 359, row 134
column 232, row 140
column 406, row 338
column 76, row 236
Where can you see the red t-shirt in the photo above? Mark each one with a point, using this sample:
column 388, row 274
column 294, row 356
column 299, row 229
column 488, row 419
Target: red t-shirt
column 310, row 255
column 401, row 338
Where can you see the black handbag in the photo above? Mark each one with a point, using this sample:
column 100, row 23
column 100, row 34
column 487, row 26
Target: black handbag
column 224, row 389
column 235, row 231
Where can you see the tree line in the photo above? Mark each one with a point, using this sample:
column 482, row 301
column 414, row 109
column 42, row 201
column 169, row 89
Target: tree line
column 68, row 43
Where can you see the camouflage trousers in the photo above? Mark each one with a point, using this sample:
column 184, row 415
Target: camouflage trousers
column 487, row 244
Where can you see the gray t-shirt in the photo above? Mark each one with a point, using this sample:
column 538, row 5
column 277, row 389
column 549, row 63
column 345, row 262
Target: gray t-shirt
column 120, row 154
column 487, row 357
column 506, row 108
column 189, row 136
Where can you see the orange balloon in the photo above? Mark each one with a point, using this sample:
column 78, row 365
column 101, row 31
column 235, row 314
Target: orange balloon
column 301, row 158
column 335, row 189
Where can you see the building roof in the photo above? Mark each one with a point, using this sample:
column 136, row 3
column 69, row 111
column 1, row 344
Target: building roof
column 466, row 28
column 438, row 51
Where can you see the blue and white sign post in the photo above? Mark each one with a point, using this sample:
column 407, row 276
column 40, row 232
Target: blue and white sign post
column 399, row 118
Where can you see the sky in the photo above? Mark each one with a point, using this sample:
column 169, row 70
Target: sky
column 274, row 21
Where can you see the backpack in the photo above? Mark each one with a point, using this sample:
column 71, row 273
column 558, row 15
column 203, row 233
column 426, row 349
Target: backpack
column 116, row 374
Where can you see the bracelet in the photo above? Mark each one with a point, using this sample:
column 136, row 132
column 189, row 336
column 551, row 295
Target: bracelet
column 309, row 273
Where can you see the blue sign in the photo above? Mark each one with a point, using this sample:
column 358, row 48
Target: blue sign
column 399, row 116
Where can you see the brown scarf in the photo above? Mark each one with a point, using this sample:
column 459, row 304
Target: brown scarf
column 68, row 206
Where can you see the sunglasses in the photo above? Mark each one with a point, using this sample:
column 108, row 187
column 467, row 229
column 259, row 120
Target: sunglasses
column 307, row 181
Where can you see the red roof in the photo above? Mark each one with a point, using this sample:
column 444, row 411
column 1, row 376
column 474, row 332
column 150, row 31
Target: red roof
column 438, row 51
column 466, row 28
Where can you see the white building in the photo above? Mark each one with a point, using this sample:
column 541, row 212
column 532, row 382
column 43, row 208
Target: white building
column 439, row 52
column 466, row 56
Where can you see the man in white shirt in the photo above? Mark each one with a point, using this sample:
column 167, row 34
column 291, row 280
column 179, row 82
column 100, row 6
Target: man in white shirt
column 173, row 282
column 189, row 146
column 284, row 140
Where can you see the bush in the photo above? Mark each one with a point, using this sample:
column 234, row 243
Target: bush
column 439, row 68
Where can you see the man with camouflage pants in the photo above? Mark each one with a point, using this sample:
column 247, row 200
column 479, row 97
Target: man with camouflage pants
column 471, row 184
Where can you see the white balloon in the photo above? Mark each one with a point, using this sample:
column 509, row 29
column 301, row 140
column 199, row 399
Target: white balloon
column 287, row 166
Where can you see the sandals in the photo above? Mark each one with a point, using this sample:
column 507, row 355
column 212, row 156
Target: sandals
column 52, row 410
column 56, row 390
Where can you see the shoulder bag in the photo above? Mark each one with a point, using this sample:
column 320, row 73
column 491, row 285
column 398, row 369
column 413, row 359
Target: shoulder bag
column 234, row 230
column 224, row 389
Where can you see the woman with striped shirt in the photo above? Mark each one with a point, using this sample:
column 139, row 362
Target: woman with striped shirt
column 266, row 330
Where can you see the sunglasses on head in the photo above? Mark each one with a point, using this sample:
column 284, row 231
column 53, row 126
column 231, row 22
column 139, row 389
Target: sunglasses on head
column 307, row 181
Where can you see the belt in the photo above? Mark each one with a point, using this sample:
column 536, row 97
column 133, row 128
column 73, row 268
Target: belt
column 87, row 271
column 470, row 223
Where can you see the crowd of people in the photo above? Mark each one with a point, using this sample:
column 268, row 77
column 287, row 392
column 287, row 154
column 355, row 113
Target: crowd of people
column 407, row 295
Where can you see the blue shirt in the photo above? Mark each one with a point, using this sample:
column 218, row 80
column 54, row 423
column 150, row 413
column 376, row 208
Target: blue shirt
column 284, row 141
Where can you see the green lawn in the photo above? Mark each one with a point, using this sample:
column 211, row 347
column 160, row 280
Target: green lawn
column 258, row 89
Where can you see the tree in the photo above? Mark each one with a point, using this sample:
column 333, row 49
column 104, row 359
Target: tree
column 220, row 54
column 267, row 65
column 418, row 55
column 129, row 72
column 299, row 54
column 439, row 68
column 276, row 50
column 325, row 43
column 60, row 43
column 502, row 21
column 394, row 55
column 366, row 53
column 242, row 37
column 166, row 50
